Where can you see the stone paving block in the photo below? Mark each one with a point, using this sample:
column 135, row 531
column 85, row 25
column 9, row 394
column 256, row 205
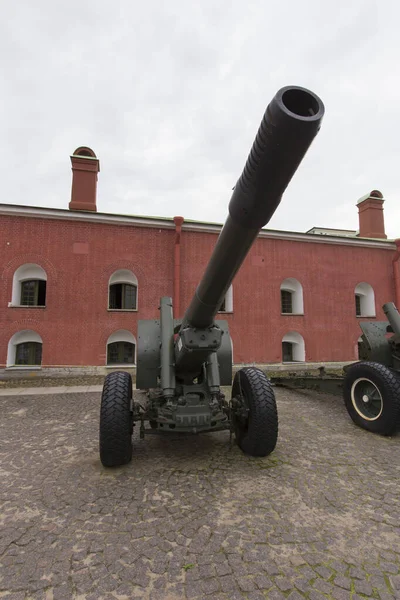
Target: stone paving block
column 295, row 596
column 236, row 595
column 271, row 568
column 395, row 582
column 323, row 586
column 363, row 587
column 342, row 582
column 340, row 594
column 283, row 584
column 263, row 582
column 246, row 584
column 323, row 572
column 210, row 586
column 255, row 596
column 389, row 568
column 302, row 585
column 355, row 573
column 276, row 595
column 314, row 595
column 228, row 584
column 223, row 569
column 377, row 581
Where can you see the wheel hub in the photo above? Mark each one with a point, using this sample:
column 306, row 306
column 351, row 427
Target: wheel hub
column 366, row 399
column 240, row 408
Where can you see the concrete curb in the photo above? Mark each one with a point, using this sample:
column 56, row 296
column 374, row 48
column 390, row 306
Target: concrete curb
column 40, row 391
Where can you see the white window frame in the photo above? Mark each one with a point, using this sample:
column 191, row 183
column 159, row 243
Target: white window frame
column 297, row 341
column 21, row 337
column 367, row 299
column 122, row 335
column 26, row 272
column 294, row 286
column 123, row 276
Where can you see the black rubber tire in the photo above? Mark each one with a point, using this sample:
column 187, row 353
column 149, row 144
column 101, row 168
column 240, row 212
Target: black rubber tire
column 259, row 435
column 116, row 420
column 387, row 385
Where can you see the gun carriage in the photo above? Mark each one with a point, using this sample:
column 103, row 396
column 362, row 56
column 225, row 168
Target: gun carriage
column 371, row 387
column 184, row 363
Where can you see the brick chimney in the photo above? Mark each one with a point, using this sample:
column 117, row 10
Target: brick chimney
column 85, row 166
column 370, row 215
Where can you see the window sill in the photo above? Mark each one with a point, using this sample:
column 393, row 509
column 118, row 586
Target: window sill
column 25, row 305
column 292, row 314
column 119, row 310
column 293, row 362
column 24, row 368
column 366, row 316
column 225, row 312
column 121, row 366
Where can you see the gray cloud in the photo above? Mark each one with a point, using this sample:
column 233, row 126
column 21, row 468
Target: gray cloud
column 170, row 97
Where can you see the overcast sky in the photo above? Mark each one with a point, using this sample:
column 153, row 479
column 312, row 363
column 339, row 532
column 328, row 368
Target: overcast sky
column 170, row 95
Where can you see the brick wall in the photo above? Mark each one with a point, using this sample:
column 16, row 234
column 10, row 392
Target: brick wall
column 328, row 274
column 80, row 257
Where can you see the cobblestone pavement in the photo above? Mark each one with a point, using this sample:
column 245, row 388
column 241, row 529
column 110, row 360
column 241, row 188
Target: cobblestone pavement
column 193, row 517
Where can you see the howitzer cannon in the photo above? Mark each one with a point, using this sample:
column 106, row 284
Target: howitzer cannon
column 184, row 363
column 371, row 387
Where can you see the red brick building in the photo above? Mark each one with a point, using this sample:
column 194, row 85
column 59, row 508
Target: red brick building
column 74, row 282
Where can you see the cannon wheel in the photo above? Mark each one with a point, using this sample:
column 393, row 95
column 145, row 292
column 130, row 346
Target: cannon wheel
column 256, row 422
column 116, row 420
column 372, row 397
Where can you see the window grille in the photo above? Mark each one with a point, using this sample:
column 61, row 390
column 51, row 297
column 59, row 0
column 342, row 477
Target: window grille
column 286, row 302
column 121, row 353
column 33, row 292
column 28, row 353
column 287, row 352
column 358, row 305
column 123, row 296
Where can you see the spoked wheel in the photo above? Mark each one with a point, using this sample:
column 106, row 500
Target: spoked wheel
column 254, row 412
column 372, row 397
column 116, row 420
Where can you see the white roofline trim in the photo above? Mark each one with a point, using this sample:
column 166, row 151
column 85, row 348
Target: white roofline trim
column 94, row 217
column 165, row 223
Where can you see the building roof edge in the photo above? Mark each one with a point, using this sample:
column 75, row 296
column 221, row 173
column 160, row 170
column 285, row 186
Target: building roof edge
column 17, row 210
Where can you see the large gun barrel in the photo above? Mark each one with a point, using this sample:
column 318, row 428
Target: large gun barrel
column 289, row 125
column 189, row 362
column 393, row 316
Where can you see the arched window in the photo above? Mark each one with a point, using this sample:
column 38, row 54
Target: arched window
column 227, row 303
column 293, row 349
column 123, row 290
column 291, row 297
column 364, row 300
column 25, row 349
column 29, row 286
column 121, row 348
